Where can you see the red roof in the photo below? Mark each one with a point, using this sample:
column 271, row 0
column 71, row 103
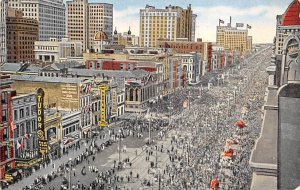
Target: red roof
column 291, row 15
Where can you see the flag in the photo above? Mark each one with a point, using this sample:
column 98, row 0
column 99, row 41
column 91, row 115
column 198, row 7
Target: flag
column 20, row 145
column 221, row 22
column 239, row 25
column 248, row 26
column 27, row 136
column 12, row 126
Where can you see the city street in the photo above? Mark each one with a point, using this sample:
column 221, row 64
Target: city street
column 189, row 153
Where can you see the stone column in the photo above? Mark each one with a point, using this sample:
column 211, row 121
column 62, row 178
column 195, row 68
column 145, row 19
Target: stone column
column 134, row 94
column 128, row 94
column 139, row 95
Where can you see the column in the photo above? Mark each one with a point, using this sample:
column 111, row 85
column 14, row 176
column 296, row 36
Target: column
column 139, row 95
column 134, row 94
column 128, row 94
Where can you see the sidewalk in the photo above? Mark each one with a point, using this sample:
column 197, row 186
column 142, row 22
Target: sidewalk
column 49, row 169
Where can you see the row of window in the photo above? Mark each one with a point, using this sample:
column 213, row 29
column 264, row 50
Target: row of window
column 22, row 112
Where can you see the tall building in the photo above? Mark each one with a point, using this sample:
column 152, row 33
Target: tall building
column 86, row 19
column 194, row 17
column 170, row 23
column 51, row 15
column 232, row 38
column 21, row 35
column 3, row 46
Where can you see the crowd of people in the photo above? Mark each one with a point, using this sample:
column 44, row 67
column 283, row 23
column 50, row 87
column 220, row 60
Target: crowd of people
column 200, row 133
column 199, row 153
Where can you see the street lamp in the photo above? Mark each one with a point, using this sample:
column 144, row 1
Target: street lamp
column 119, row 146
column 70, row 170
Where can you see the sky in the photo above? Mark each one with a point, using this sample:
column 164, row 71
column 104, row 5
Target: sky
column 260, row 14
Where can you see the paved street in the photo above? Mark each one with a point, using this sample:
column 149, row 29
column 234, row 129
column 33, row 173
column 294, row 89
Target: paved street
column 189, row 153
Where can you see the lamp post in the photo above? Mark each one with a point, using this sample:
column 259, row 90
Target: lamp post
column 119, row 148
column 70, row 170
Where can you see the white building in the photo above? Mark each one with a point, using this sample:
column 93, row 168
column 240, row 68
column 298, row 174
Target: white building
column 51, row 15
column 194, row 17
column 57, row 51
column 70, row 129
column 191, row 65
column 3, row 45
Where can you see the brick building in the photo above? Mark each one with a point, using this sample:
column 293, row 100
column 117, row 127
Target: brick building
column 21, row 35
column 6, row 127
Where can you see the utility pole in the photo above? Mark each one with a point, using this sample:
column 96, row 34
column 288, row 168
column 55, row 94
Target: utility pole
column 120, row 146
column 70, row 170
column 149, row 131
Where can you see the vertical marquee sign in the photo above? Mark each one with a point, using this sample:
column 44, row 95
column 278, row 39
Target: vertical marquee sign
column 103, row 113
column 43, row 145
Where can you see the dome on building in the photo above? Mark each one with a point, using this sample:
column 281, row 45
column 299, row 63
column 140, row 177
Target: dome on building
column 100, row 36
column 291, row 16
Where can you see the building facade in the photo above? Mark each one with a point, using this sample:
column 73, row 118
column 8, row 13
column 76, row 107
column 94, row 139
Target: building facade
column 191, row 65
column 126, row 39
column 170, row 23
column 3, row 45
column 70, row 129
column 232, row 38
column 50, row 14
column 194, row 18
column 25, row 134
column 21, row 35
column 275, row 158
column 57, row 51
column 7, row 161
column 86, row 19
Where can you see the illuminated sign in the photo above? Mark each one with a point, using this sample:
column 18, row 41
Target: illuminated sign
column 103, row 113
column 43, row 145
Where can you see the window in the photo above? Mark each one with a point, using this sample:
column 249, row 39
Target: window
column 28, row 127
column 21, row 113
column 15, row 115
column 27, row 111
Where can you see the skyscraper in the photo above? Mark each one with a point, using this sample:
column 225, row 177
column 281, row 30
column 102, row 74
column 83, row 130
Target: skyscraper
column 168, row 24
column 86, row 19
column 3, row 48
column 51, row 15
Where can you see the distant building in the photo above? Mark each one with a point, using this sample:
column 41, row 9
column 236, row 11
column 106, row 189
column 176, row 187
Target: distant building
column 126, row 39
column 232, row 38
column 3, row 33
column 169, row 24
column 191, row 65
column 51, row 15
column 57, row 51
column 86, row 19
column 21, row 34
column 194, row 17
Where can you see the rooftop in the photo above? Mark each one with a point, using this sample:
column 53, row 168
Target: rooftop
column 46, row 79
column 291, row 15
column 108, row 73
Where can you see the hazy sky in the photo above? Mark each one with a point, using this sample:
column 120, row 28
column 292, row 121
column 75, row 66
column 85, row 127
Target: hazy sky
column 260, row 14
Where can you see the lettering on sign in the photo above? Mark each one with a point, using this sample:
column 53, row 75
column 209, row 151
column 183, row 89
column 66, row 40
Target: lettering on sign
column 103, row 113
column 43, row 145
